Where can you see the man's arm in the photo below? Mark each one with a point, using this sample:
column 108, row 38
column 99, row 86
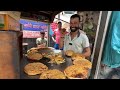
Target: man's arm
column 46, row 43
column 86, row 46
column 61, row 43
column 37, row 42
column 53, row 39
column 86, row 52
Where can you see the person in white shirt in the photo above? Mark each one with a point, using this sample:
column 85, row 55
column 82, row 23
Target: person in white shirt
column 41, row 42
column 76, row 40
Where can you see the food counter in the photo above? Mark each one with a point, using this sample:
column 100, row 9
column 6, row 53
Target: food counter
column 45, row 61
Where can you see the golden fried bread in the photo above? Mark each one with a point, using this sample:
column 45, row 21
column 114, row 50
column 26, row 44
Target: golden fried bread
column 52, row 74
column 32, row 50
column 35, row 68
column 83, row 63
column 35, row 56
column 77, row 56
column 76, row 71
column 59, row 60
column 69, row 53
column 56, row 58
column 52, row 59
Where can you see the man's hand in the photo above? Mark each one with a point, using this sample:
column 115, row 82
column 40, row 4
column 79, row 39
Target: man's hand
column 53, row 39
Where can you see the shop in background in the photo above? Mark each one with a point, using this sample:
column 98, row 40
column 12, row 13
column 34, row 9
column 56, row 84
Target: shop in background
column 31, row 30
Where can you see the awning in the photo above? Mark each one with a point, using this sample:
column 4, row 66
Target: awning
column 45, row 16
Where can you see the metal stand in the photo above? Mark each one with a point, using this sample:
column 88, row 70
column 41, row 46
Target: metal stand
column 99, row 42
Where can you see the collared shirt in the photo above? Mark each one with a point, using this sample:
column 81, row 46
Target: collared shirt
column 41, row 41
column 79, row 42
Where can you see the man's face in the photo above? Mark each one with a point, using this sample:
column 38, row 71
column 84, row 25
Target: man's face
column 74, row 24
column 42, row 35
column 59, row 25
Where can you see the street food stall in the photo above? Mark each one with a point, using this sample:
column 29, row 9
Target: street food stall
column 46, row 62
column 53, row 62
column 92, row 73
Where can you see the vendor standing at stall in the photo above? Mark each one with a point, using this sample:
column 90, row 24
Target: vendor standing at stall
column 42, row 41
column 75, row 40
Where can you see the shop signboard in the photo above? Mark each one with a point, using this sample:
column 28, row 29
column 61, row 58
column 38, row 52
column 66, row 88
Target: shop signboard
column 32, row 29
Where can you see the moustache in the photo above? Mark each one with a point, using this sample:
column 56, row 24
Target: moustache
column 73, row 29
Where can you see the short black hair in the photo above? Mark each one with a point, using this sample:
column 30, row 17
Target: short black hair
column 42, row 32
column 60, row 22
column 75, row 16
